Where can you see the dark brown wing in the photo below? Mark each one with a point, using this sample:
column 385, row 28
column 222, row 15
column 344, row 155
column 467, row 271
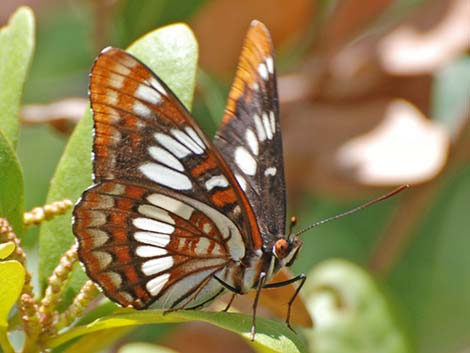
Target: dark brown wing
column 250, row 136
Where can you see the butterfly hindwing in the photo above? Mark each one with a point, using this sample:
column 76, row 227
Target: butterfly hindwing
column 250, row 135
column 140, row 245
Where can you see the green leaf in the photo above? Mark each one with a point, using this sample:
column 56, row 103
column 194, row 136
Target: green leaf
column 432, row 280
column 132, row 21
column 98, row 342
column 16, row 51
column 6, row 249
column 172, row 53
column 142, row 347
column 271, row 336
column 72, row 176
column 11, row 187
column 351, row 314
column 12, row 275
column 214, row 95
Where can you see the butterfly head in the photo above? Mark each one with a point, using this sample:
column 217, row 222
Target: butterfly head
column 286, row 249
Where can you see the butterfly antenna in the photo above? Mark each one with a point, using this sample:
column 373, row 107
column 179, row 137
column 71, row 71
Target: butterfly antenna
column 354, row 210
column 293, row 222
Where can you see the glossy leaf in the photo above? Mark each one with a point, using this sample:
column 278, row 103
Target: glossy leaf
column 12, row 275
column 16, row 51
column 6, row 249
column 11, row 186
column 271, row 336
column 98, row 341
column 172, row 53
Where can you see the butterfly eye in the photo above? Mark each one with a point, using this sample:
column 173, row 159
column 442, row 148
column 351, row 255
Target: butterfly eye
column 281, row 248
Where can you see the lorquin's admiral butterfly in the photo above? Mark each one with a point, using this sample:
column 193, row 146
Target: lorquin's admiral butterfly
column 173, row 219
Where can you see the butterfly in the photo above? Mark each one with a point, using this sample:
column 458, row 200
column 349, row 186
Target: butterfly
column 174, row 219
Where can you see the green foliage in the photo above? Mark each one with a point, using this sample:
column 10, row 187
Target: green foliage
column 351, row 238
column 271, row 336
column 16, row 47
column 11, row 186
column 98, row 341
column 6, row 249
column 351, row 312
column 133, row 21
column 433, row 278
column 172, row 53
column 214, row 98
column 72, row 176
column 12, row 274
column 16, row 50
column 60, row 69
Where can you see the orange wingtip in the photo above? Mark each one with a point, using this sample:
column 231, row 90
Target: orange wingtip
column 257, row 46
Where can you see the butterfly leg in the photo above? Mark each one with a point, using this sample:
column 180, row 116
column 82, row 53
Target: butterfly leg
column 229, row 304
column 228, row 286
column 234, row 290
column 300, row 278
column 262, row 278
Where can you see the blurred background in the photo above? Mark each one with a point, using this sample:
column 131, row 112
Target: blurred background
column 373, row 94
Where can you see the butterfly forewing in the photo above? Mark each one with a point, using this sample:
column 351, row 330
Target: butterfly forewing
column 250, row 135
column 143, row 134
column 165, row 213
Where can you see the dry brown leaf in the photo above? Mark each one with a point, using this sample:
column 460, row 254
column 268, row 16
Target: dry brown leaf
column 405, row 148
column 348, row 149
column 348, row 20
column 411, row 50
column 312, row 134
column 221, row 25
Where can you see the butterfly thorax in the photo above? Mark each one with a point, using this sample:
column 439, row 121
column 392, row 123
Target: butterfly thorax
column 244, row 275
